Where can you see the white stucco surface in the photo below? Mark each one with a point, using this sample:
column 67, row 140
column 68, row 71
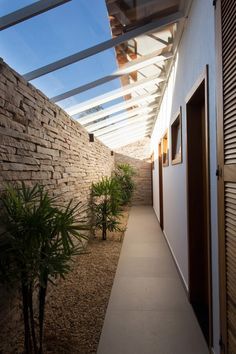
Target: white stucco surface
column 196, row 50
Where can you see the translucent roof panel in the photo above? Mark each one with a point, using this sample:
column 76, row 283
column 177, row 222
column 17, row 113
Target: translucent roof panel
column 7, row 6
column 90, row 94
column 55, row 34
column 78, row 74
column 103, row 76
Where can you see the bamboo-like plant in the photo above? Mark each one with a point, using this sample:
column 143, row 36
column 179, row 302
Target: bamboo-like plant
column 106, row 197
column 124, row 176
column 38, row 242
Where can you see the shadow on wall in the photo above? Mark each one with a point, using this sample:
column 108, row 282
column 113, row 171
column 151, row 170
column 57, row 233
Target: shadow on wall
column 143, row 178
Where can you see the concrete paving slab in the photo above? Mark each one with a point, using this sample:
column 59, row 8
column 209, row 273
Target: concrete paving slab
column 148, row 311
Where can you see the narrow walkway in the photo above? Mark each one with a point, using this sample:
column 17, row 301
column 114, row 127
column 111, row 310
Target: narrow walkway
column 148, row 312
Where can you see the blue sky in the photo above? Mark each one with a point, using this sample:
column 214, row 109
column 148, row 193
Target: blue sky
column 65, row 30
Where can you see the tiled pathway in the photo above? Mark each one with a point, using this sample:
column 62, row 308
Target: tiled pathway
column 148, row 311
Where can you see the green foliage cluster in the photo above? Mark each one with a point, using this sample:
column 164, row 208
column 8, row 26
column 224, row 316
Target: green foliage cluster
column 39, row 239
column 106, row 202
column 123, row 175
column 37, row 243
column 109, row 195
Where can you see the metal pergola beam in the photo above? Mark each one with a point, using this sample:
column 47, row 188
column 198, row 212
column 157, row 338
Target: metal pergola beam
column 28, row 12
column 120, row 117
column 121, row 137
column 137, row 64
column 110, row 43
column 126, row 131
column 142, row 119
column 126, row 140
column 147, row 98
column 110, row 96
column 115, row 144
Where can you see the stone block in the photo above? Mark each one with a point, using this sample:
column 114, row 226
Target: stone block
column 47, row 151
column 41, row 175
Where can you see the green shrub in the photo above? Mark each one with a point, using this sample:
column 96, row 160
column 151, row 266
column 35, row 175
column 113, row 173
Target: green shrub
column 106, row 201
column 124, row 174
column 37, row 243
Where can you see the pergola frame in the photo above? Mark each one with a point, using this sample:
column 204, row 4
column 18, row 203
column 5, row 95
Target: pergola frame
column 137, row 64
column 125, row 132
column 145, row 99
column 148, row 28
column 143, row 120
column 28, row 12
column 130, row 123
column 107, row 97
column 121, row 117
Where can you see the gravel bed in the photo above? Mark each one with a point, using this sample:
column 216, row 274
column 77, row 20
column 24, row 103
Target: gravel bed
column 76, row 306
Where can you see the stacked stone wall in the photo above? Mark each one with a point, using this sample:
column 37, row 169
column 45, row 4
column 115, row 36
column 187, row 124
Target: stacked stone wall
column 40, row 143
column 138, row 155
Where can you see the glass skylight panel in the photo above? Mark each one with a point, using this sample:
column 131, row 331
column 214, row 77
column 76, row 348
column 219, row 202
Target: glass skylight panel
column 90, row 94
column 8, row 6
column 55, row 34
column 78, row 74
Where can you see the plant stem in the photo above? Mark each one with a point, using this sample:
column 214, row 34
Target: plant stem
column 27, row 342
column 31, row 310
column 104, row 222
column 42, row 297
column 104, row 232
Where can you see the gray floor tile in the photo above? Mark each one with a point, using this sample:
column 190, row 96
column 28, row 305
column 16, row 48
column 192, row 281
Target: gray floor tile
column 146, row 267
column 148, row 311
column 146, row 293
column 152, row 332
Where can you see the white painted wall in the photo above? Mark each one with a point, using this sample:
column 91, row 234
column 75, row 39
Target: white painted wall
column 196, row 50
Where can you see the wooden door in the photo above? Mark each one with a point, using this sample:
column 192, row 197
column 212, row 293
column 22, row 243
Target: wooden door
column 160, row 185
column 199, row 206
column 226, row 133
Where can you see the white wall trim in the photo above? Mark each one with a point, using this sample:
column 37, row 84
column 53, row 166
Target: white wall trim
column 176, row 262
column 172, row 253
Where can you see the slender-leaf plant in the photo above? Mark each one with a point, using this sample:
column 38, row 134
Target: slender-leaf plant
column 124, row 176
column 106, row 205
column 37, row 244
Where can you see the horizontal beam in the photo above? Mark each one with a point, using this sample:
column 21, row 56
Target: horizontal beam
column 126, row 131
column 110, row 43
column 137, row 64
column 28, row 12
column 136, row 119
column 115, row 142
column 128, row 114
column 114, row 138
column 110, row 96
column 148, row 97
column 123, row 142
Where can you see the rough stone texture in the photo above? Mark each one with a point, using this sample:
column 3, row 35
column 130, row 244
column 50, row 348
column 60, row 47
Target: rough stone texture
column 140, row 150
column 138, row 155
column 40, row 143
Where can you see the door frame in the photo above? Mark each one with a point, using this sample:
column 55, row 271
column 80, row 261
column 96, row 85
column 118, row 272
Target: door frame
column 202, row 78
column 160, row 174
column 220, row 186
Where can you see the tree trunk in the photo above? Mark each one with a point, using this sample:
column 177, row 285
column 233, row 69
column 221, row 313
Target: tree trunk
column 42, row 298
column 27, row 340
column 104, row 222
column 32, row 322
column 104, row 232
